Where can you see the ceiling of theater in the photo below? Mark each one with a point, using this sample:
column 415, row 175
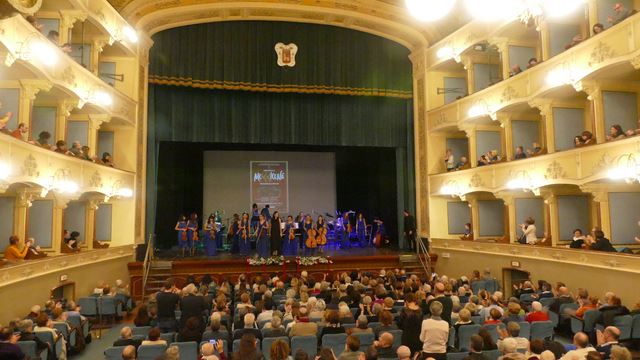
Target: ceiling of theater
column 388, row 18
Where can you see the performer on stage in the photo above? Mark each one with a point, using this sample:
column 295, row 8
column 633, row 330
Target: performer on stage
column 265, row 212
column 346, row 231
column 321, row 237
column 290, row 242
column 361, row 230
column 217, row 218
column 192, row 232
column 181, row 227
column 309, row 235
column 232, row 234
column 210, row 234
column 381, row 232
column 276, row 234
column 262, row 237
column 410, row 229
column 300, row 220
column 244, row 235
column 255, row 216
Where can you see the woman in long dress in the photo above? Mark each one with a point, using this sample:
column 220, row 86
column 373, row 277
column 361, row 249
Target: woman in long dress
column 210, row 234
column 290, row 243
column 262, row 237
column 192, row 232
column 361, row 230
column 232, row 234
column 276, row 234
column 244, row 235
column 181, row 228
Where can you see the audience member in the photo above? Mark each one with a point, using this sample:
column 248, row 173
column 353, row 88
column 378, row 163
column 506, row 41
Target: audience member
column 384, row 346
column 351, row 349
column 9, row 350
column 597, row 28
column 476, row 345
column 536, row 313
column 512, row 332
column 153, row 338
column 302, row 326
column 616, row 133
column 434, row 333
column 13, row 252
column 520, row 154
column 532, row 62
column 620, row 353
column 449, row 161
column 581, row 342
column 126, row 338
column 21, row 133
column 606, row 340
column 129, row 352
column 620, row 13
column 167, row 302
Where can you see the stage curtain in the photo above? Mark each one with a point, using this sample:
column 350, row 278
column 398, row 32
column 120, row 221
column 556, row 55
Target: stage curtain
column 240, row 55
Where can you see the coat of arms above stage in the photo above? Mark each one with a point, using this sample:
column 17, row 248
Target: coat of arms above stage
column 286, row 54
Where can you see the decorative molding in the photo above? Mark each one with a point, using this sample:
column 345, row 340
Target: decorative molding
column 476, row 181
column 96, row 180
column 600, row 53
column 70, row 17
column 605, row 161
column 30, row 166
column 635, row 62
column 508, row 94
column 554, row 171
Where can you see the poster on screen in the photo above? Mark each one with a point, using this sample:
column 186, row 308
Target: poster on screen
column 270, row 184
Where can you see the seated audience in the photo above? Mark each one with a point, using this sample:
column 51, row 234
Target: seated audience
column 21, row 133
column 536, row 313
column 361, row 326
column 600, row 243
column 107, row 160
column 528, row 232
column 621, row 13
column 129, row 353
column 249, row 328
column 597, row 28
column 386, row 322
column 302, row 326
column 536, row 348
column 44, row 324
column 610, row 310
column 532, row 62
column 616, row 133
column 620, row 353
column 61, row 148
column 606, row 340
column 153, row 338
column 191, row 331
column 384, row 346
column 536, row 150
column 577, row 39
column 126, row 338
column 463, row 163
column 512, row 332
column 581, row 342
column 13, row 252
column 476, row 345
column 495, row 317
column 449, row 161
column 279, row 350
column 25, row 327
column 332, row 324
column 578, row 240
column 76, row 149
column 351, row 349
column 468, row 232
column 587, row 138
column 403, row 352
column 520, row 154
column 9, row 349
column 515, row 70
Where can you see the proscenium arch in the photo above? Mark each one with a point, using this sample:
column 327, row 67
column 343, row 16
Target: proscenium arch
column 401, row 32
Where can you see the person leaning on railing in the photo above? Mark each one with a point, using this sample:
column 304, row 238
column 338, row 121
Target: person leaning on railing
column 13, row 251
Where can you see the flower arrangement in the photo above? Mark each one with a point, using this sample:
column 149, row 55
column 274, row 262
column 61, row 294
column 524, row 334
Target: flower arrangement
column 313, row 260
column 273, row 260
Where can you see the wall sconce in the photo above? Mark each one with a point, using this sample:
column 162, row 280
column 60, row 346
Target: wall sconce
column 479, row 108
column 453, row 189
column 5, row 171
column 118, row 191
column 35, row 48
column 626, row 168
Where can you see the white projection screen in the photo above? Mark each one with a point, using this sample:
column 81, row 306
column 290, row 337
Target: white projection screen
column 289, row 182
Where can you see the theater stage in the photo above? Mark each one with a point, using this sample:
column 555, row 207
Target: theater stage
column 170, row 264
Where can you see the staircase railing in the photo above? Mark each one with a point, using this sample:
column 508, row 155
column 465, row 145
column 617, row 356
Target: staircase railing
column 146, row 265
column 423, row 255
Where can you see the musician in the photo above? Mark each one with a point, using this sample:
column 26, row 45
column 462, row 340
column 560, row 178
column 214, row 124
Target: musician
column 346, row 230
column 181, row 228
column 300, row 220
column 361, row 229
column 276, row 234
column 255, row 216
column 308, row 233
column 381, row 232
column 265, row 212
column 232, row 234
column 410, row 229
column 218, row 222
column 321, row 238
column 262, row 237
column 192, row 232
column 210, row 235
column 290, row 243
column 244, row 234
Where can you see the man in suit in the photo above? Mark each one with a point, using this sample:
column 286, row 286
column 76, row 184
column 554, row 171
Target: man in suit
column 447, row 303
column 302, row 325
column 191, row 306
column 475, row 348
column 564, row 297
column 606, row 340
column 410, row 229
column 167, row 301
column 249, row 328
column 126, row 338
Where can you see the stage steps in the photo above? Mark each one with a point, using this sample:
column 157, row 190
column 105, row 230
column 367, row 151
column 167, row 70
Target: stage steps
column 412, row 264
column 159, row 271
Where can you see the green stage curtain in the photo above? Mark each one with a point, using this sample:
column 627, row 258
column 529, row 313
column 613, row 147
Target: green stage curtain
column 240, row 55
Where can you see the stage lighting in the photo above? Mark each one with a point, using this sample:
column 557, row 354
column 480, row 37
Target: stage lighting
column 494, row 10
column 44, row 52
column 557, row 9
column 102, row 98
column 429, row 10
column 131, row 34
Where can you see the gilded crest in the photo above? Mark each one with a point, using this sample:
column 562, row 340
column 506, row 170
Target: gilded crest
column 286, row 54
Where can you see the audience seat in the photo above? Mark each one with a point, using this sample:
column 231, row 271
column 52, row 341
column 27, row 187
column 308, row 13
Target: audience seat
column 366, row 340
column 546, row 301
column 113, row 353
column 141, row 330
column 266, row 345
column 168, row 337
column 188, row 349
column 452, row 337
column 348, row 326
column 492, row 354
column 30, row 349
column 374, row 325
column 457, row 355
column 262, row 323
column 527, row 298
column 635, row 327
column 587, row 323
column 336, row 342
column 542, row 330
column 47, row 337
column 308, row 344
column 225, row 345
column 624, row 323
column 236, row 344
column 525, row 329
column 493, row 331
column 108, row 306
column 150, row 352
column 76, row 321
column 464, row 335
column 477, row 319
column 397, row 338
column 88, row 306
column 63, row 328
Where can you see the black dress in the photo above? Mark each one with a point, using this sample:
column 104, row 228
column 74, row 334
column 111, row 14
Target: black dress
column 276, row 237
column 410, row 322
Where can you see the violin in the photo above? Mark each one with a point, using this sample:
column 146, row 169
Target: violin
column 311, row 238
column 292, row 233
column 244, row 232
column 349, row 227
column 232, row 230
column 321, row 238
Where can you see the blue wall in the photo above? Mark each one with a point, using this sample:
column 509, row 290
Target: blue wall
column 41, row 222
column 460, row 86
column 75, row 218
column 561, row 35
column 6, row 214
column 488, row 140
column 533, row 208
column 103, row 222
column 460, row 147
column 525, row 133
column 458, row 214
column 567, row 123
column 573, row 213
column 520, row 55
column 77, row 131
column 43, row 118
column 491, row 217
column 485, row 75
column 10, row 99
column 620, row 108
column 625, row 213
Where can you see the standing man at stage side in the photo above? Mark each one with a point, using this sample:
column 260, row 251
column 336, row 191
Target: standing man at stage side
column 276, row 234
column 346, row 231
column 410, row 229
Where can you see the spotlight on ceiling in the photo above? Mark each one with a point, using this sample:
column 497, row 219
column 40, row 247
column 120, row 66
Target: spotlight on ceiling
column 494, row 10
column 429, row 10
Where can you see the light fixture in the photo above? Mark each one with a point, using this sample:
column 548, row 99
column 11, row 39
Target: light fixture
column 118, row 191
column 44, row 52
column 61, row 183
column 101, row 97
column 453, row 189
column 429, row 10
column 521, row 180
column 626, row 168
column 125, row 192
column 479, row 108
column 446, row 52
column 131, row 34
column 495, row 10
column 5, row 170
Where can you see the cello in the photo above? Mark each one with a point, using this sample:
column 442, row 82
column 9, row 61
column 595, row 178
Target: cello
column 321, row 238
column 311, row 234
